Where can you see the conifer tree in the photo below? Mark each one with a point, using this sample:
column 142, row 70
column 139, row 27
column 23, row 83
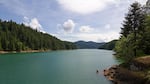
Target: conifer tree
column 134, row 24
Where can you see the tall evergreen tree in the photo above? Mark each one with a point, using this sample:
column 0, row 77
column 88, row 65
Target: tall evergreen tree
column 145, row 42
column 134, row 20
column 134, row 24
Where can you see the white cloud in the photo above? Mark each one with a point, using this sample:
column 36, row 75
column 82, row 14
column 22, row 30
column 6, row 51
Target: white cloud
column 68, row 26
column 26, row 21
column 97, row 37
column 107, row 26
column 114, row 15
column 86, row 29
column 85, row 6
column 140, row 1
column 33, row 23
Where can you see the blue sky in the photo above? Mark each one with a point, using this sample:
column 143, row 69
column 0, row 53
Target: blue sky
column 70, row 20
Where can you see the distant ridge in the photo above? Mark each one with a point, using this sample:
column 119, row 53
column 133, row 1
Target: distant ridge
column 88, row 45
column 109, row 45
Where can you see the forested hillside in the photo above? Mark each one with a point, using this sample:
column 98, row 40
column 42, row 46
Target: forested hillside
column 18, row 37
column 109, row 46
column 88, row 45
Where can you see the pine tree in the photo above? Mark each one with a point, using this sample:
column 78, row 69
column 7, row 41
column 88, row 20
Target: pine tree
column 134, row 23
column 145, row 42
column 134, row 20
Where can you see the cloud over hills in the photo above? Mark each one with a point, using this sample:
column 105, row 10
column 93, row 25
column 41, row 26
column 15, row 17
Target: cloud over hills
column 72, row 20
column 68, row 26
column 86, row 29
column 33, row 23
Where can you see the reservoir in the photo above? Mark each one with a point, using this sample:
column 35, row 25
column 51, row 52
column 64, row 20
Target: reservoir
column 56, row 67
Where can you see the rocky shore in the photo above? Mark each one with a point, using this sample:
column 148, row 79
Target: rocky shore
column 136, row 72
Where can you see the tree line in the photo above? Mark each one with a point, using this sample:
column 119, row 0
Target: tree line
column 18, row 37
column 109, row 45
column 135, row 34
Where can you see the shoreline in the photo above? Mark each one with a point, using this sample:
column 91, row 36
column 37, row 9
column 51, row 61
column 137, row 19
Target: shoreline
column 120, row 75
column 136, row 71
column 30, row 51
column 24, row 51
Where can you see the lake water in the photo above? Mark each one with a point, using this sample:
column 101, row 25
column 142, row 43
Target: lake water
column 56, row 67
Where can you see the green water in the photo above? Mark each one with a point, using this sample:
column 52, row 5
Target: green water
column 56, row 67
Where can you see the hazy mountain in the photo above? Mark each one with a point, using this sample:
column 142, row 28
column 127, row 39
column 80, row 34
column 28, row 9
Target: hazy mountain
column 88, row 45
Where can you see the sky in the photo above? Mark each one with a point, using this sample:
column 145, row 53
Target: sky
column 70, row 20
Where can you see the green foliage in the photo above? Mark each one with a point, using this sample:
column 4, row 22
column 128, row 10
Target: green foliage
column 133, row 31
column 134, row 20
column 124, row 47
column 16, row 37
column 145, row 41
column 109, row 46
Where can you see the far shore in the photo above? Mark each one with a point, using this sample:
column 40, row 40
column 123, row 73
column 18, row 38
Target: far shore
column 25, row 51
